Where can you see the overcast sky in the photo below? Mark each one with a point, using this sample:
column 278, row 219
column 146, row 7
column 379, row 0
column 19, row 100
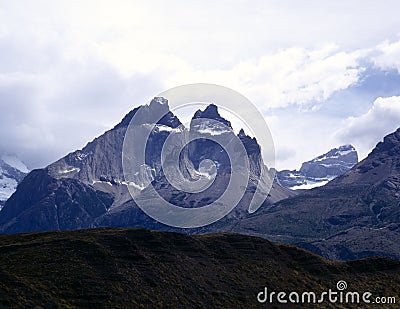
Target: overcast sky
column 323, row 73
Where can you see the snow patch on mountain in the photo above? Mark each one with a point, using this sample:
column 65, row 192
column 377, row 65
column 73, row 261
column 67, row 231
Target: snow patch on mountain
column 82, row 155
column 164, row 128
column 13, row 161
column 212, row 131
column 320, row 170
column 70, row 170
column 7, row 187
column 12, row 171
column 211, row 128
column 312, row 184
column 336, row 153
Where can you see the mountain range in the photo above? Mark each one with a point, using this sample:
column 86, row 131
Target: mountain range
column 353, row 216
column 87, row 188
column 320, row 170
column 313, row 173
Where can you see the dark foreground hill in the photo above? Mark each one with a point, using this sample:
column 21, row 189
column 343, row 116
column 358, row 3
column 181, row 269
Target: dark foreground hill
column 137, row 268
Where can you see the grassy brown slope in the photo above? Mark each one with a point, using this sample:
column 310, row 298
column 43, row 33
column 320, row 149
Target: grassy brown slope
column 136, row 268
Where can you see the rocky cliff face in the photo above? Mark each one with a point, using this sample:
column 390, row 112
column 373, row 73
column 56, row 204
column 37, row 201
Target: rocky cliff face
column 355, row 215
column 87, row 188
column 320, row 170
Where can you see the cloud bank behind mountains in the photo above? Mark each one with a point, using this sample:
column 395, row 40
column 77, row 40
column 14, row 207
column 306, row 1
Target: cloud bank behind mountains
column 70, row 71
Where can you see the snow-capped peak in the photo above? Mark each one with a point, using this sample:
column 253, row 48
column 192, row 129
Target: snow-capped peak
column 160, row 100
column 212, row 128
column 336, row 153
column 12, row 171
column 321, row 169
column 13, row 161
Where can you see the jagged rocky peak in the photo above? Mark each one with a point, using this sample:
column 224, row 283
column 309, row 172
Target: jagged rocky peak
column 219, row 127
column 210, row 122
column 333, row 163
column 211, row 112
column 250, row 143
column 157, row 111
column 159, row 101
column 100, row 160
column 321, row 169
column 381, row 163
column 355, row 215
column 344, row 152
column 390, row 144
column 88, row 187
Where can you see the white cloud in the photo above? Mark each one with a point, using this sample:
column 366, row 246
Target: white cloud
column 70, row 70
column 366, row 130
column 292, row 76
column 301, row 136
column 45, row 116
column 388, row 55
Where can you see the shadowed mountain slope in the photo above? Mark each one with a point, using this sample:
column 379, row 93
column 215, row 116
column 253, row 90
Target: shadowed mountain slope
column 88, row 188
column 353, row 216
